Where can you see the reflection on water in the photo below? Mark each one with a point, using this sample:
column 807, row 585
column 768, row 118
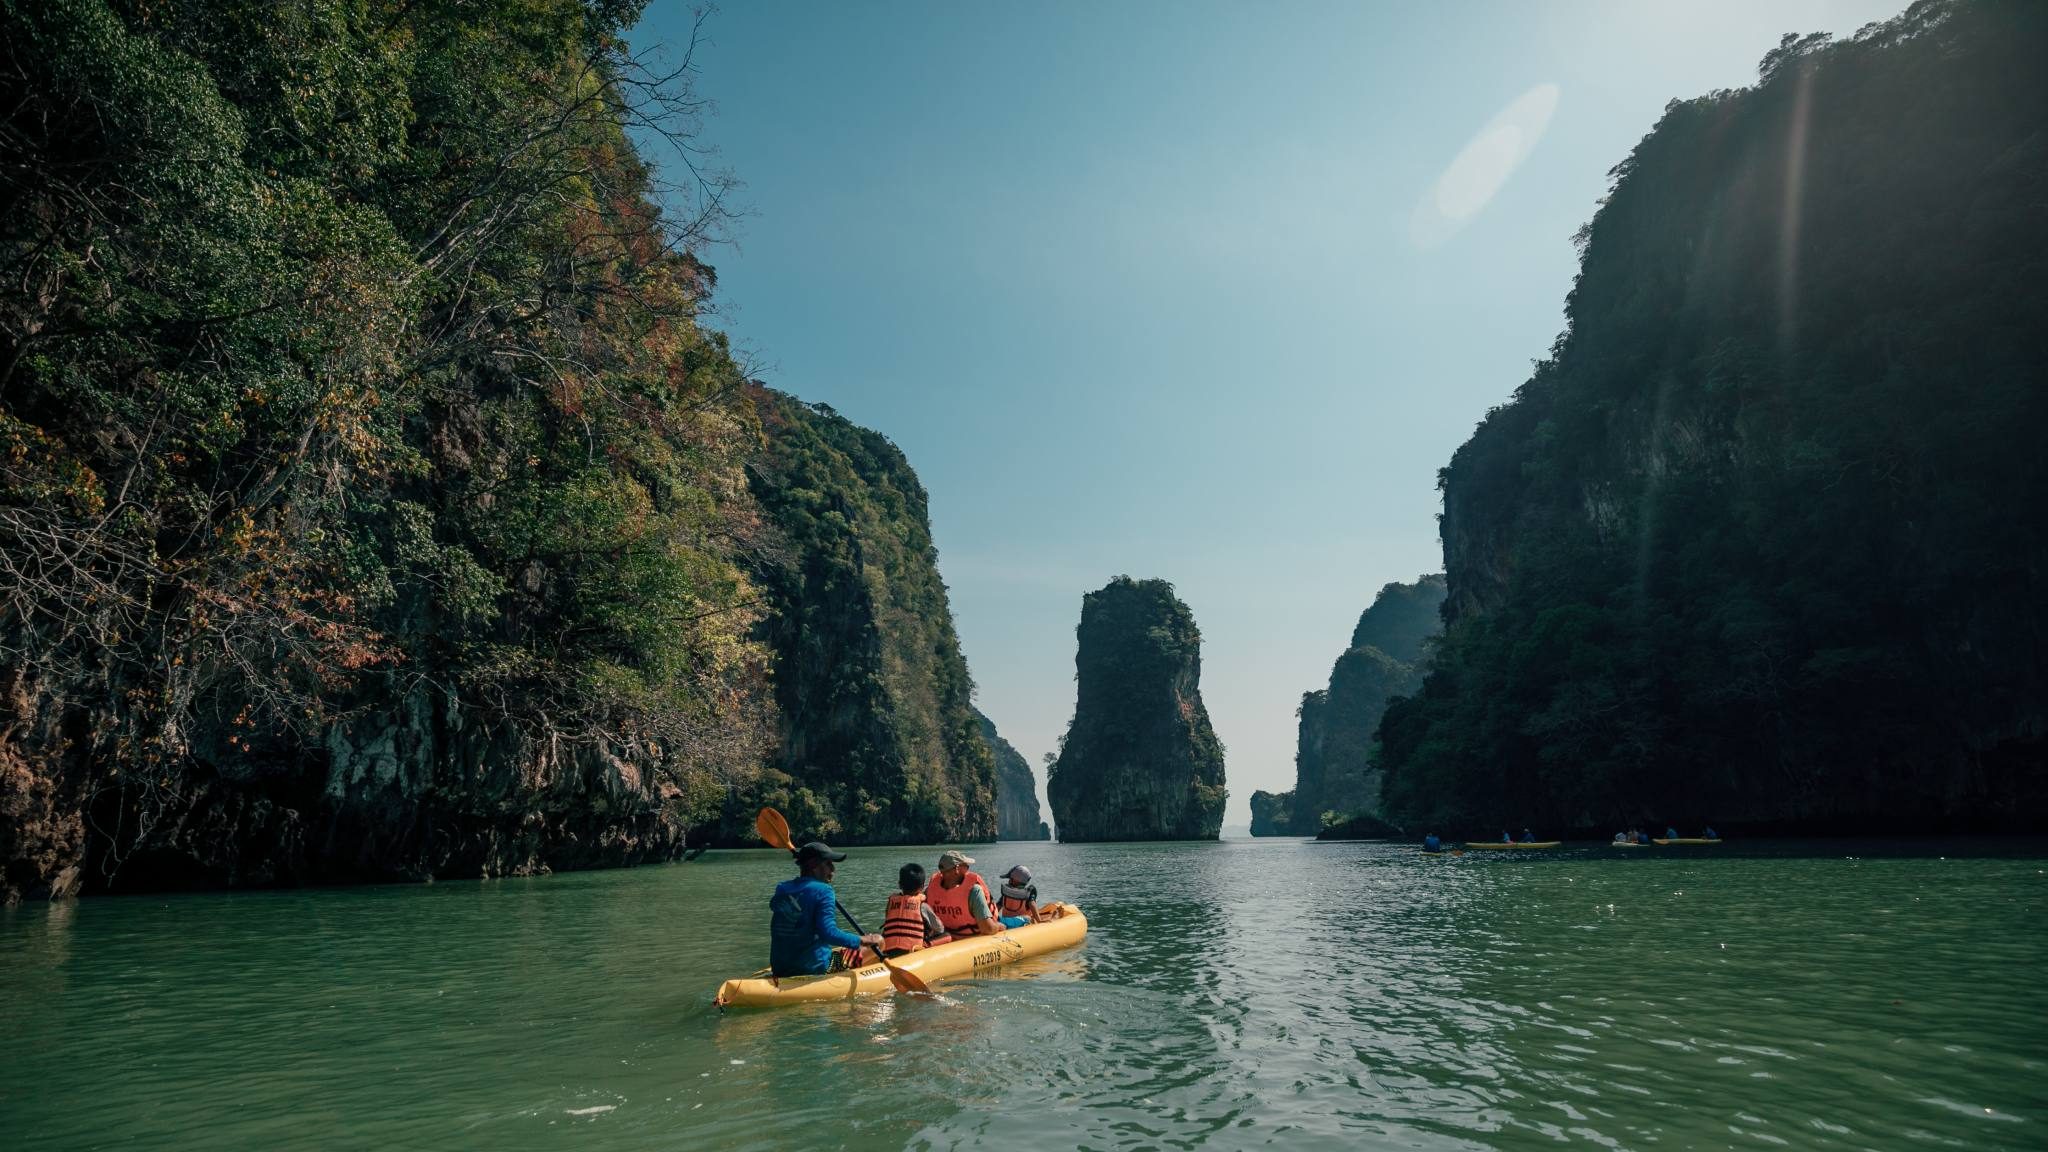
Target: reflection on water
column 1236, row 994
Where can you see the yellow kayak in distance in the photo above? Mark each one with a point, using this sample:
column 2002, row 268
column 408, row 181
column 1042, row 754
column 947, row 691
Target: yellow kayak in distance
column 969, row 957
column 1495, row 845
column 1685, row 840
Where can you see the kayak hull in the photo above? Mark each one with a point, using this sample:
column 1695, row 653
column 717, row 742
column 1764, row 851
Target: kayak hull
column 968, row 957
column 1686, row 840
column 1488, row 845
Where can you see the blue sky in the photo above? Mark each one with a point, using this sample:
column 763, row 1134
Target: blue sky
column 1204, row 292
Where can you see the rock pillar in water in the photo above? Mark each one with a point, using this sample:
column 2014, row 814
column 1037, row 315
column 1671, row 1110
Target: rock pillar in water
column 1140, row 761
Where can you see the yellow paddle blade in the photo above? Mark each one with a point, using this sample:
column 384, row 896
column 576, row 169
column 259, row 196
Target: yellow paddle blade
column 907, row 981
column 774, row 829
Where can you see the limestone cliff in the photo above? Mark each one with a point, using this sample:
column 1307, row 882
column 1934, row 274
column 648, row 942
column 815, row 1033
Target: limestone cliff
column 879, row 740
column 1760, row 540
column 1272, row 813
column 1016, row 791
column 1334, row 769
column 374, row 503
column 1140, row 760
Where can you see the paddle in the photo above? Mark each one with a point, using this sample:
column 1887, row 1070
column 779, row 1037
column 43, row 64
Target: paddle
column 775, row 830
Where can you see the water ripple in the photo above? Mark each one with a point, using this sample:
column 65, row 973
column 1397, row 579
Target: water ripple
column 1231, row 995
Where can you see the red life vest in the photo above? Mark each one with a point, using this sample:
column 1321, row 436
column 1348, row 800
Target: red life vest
column 951, row 903
column 903, row 924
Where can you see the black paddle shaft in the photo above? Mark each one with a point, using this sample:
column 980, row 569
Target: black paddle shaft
column 858, row 930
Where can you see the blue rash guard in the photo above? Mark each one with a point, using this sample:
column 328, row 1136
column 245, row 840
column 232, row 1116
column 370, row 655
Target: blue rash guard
column 801, row 931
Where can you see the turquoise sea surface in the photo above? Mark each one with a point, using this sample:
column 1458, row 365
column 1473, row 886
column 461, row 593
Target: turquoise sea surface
column 1824, row 994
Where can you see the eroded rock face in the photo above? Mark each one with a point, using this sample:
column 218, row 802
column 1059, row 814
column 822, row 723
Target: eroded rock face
column 880, row 743
column 1769, row 554
column 416, row 791
column 1140, row 760
column 874, row 739
column 1016, row 790
column 1335, row 775
column 1272, row 813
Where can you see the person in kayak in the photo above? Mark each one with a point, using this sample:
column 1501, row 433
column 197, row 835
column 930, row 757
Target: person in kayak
column 960, row 897
column 803, row 939
column 1708, row 833
column 1431, row 844
column 1528, row 837
column 1670, row 833
column 908, row 923
column 1505, row 838
column 1017, row 903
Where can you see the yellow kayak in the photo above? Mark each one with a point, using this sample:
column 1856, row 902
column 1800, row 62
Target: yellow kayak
column 1685, row 840
column 1497, row 844
column 966, row 957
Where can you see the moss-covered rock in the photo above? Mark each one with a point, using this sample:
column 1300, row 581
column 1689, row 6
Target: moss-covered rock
column 880, row 742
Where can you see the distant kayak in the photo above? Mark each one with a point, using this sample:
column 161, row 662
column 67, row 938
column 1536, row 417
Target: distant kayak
column 1493, row 844
column 968, row 957
column 1686, row 840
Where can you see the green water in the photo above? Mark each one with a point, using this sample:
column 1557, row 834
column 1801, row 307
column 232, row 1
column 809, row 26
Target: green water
column 1241, row 994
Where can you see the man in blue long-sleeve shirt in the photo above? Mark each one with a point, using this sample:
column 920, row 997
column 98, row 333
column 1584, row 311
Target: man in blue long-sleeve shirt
column 801, row 929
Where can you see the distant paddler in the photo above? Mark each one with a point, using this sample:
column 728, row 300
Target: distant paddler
column 803, row 937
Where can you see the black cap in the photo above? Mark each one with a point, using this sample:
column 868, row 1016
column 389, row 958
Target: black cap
column 818, row 850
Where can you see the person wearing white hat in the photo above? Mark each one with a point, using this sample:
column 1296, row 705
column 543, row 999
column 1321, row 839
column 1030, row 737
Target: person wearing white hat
column 961, row 897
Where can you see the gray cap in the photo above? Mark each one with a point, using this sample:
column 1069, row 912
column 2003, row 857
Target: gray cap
column 952, row 856
column 1019, row 875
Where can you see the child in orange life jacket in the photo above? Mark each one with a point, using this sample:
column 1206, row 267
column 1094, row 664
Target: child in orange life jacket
column 1017, row 903
column 908, row 923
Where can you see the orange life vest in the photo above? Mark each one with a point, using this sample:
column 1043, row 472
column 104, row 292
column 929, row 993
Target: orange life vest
column 951, row 903
column 903, row 924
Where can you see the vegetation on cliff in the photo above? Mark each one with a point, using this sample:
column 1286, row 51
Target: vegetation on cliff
column 880, row 742
column 1139, row 761
column 1017, row 815
column 1761, row 541
column 1335, row 772
column 373, row 503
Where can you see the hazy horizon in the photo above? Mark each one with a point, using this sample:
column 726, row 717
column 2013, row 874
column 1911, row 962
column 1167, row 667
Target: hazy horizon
column 1198, row 292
